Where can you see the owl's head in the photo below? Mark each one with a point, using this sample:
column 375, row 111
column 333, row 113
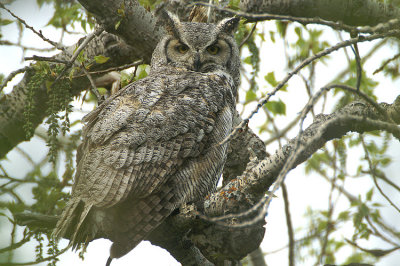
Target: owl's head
column 200, row 47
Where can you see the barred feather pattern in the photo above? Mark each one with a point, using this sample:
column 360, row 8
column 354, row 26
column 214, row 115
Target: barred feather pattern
column 146, row 150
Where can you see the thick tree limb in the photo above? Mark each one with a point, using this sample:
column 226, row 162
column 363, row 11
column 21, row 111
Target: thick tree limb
column 130, row 21
column 350, row 12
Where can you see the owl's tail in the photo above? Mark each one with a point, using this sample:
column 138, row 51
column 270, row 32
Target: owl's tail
column 143, row 217
column 70, row 223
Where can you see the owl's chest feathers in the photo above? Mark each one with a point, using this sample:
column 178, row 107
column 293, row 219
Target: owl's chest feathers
column 172, row 89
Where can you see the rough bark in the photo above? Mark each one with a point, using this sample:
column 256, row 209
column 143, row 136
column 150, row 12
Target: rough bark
column 350, row 12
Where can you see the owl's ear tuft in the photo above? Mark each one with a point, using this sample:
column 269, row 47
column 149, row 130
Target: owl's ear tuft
column 228, row 25
column 170, row 22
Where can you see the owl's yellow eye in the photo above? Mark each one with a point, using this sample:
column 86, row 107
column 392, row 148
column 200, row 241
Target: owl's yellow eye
column 181, row 48
column 213, row 49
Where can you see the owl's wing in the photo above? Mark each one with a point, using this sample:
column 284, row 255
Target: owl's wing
column 136, row 140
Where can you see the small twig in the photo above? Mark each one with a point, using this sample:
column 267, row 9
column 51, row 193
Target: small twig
column 134, row 64
column 376, row 232
column 38, row 33
column 47, row 59
column 25, row 155
column 384, row 195
column 366, row 98
column 12, row 75
column 370, row 53
column 374, row 252
column 93, row 85
column 248, row 35
column 308, row 87
column 16, row 245
column 387, row 180
column 6, row 42
column 289, row 225
column 282, row 132
column 329, row 224
column 372, row 170
column 385, row 63
column 354, row 48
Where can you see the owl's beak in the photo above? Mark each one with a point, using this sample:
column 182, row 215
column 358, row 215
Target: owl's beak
column 196, row 62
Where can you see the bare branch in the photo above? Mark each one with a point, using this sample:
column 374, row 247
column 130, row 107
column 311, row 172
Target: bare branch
column 93, row 85
column 47, row 59
column 38, row 33
column 289, row 225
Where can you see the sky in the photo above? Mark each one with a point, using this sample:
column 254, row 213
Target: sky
column 303, row 190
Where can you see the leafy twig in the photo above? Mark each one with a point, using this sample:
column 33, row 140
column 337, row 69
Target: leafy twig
column 385, row 63
column 249, row 35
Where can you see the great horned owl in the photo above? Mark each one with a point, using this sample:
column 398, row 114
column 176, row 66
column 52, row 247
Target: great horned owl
column 155, row 144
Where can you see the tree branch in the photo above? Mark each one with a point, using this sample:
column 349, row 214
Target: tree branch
column 349, row 12
column 260, row 174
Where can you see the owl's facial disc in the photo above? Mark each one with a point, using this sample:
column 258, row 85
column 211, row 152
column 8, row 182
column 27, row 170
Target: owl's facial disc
column 206, row 58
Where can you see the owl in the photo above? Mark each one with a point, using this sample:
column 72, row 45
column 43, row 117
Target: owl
column 156, row 143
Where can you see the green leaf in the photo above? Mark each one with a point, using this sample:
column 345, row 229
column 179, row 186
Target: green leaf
column 247, row 60
column 270, row 78
column 117, row 24
column 369, row 194
column 102, row 91
column 344, row 215
column 4, row 22
column 251, row 96
column 281, row 27
column 101, row 59
column 276, row 107
column 386, row 161
column 271, row 36
column 364, row 210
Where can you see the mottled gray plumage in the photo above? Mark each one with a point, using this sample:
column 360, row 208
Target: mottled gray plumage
column 154, row 145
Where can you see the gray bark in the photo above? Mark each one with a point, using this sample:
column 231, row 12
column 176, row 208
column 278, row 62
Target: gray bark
column 350, row 12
